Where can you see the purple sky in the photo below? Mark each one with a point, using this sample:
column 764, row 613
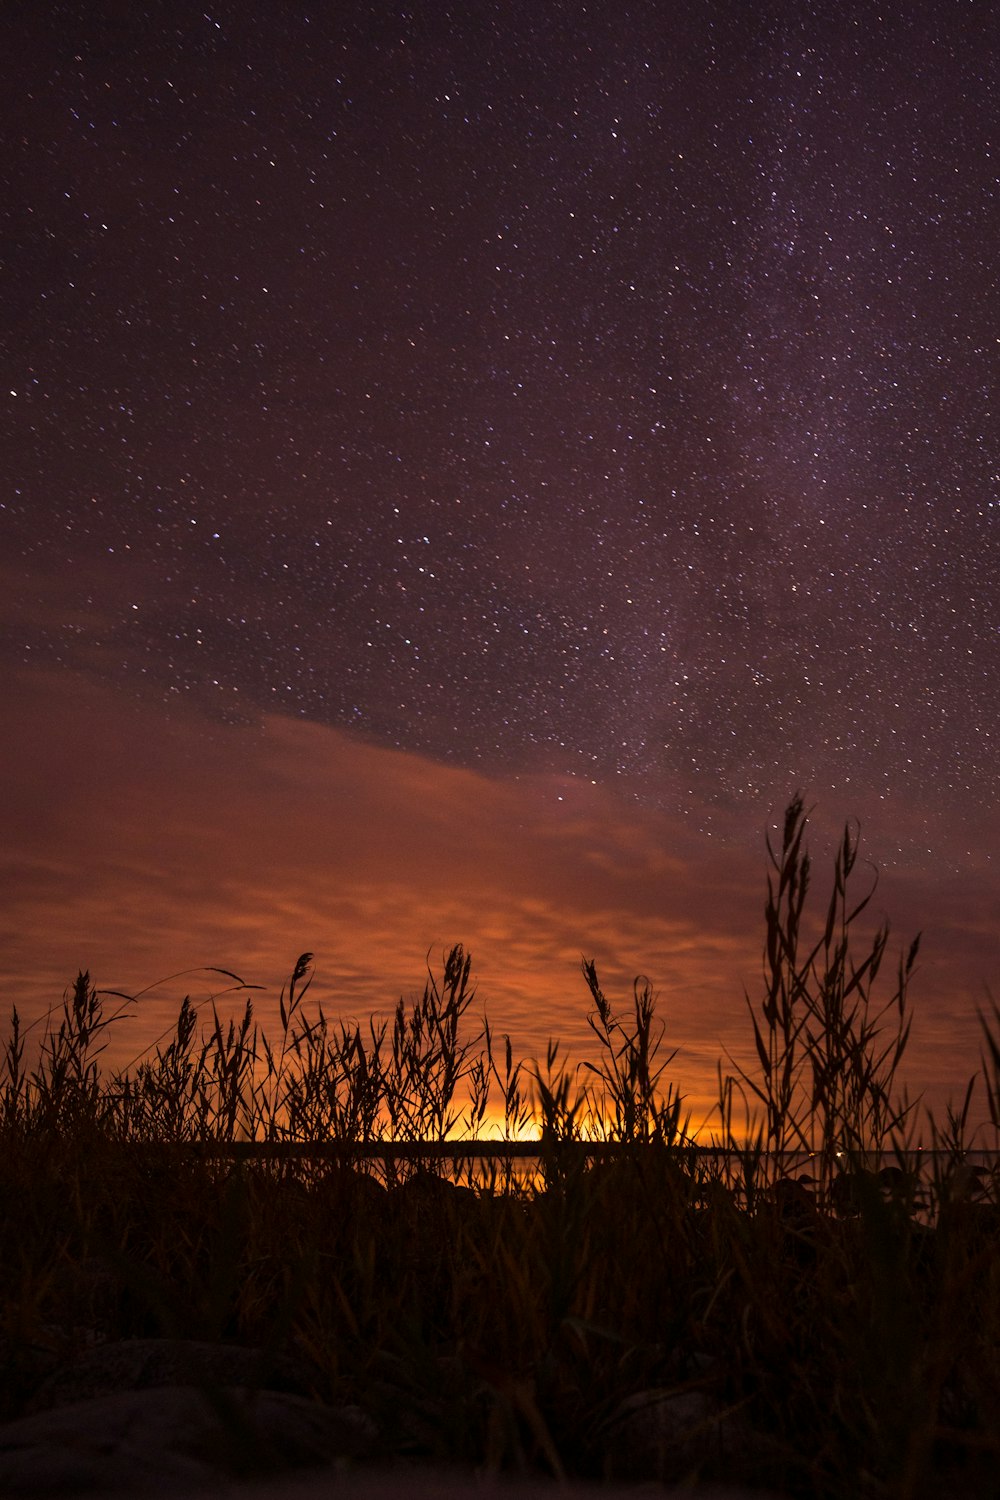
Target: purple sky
column 466, row 467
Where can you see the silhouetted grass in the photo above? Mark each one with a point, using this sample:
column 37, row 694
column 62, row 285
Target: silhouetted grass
column 811, row 1303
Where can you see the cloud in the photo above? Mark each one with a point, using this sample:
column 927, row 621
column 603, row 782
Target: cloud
column 138, row 844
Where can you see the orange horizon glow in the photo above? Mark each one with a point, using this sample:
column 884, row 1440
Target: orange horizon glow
column 137, row 847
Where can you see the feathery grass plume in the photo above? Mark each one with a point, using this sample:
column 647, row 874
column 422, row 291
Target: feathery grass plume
column 12, row 1099
column 157, row 1102
column 169, row 1096
column 66, row 1085
column 275, row 1064
column 517, row 1114
column 560, row 1107
column 335, row 1089
column 629, row 1102
column 429, row 1058
column 990, row 1060
column 828, row 1058
column 633, row 1312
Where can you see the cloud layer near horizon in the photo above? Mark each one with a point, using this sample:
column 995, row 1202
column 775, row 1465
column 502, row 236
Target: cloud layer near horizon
column 136, row 846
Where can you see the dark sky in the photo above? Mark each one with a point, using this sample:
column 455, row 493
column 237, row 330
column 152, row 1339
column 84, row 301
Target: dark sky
column 597, row 391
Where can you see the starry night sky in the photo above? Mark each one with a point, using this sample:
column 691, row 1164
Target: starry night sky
column 596, row 399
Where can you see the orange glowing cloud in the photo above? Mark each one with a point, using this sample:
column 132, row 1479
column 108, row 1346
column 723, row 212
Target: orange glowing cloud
column 138, row 845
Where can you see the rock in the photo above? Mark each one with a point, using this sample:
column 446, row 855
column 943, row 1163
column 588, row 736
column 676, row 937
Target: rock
column 795, row 1201
column 669, row 1436
column 429, row 1190
column 172, row 1439
column 143, row 1364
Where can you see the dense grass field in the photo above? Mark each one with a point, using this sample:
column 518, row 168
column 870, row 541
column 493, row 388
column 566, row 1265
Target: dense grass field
column 806, row 1298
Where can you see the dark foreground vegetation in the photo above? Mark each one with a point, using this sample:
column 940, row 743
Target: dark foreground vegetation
column 811, row 1305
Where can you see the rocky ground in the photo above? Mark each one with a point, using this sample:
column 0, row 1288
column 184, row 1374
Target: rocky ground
column 175, row 1418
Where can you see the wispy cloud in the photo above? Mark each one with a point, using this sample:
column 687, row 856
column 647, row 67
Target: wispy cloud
column 136, row 846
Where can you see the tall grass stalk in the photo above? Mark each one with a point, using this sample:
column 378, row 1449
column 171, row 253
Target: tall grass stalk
column 828, row 1057
column 807, row 1307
